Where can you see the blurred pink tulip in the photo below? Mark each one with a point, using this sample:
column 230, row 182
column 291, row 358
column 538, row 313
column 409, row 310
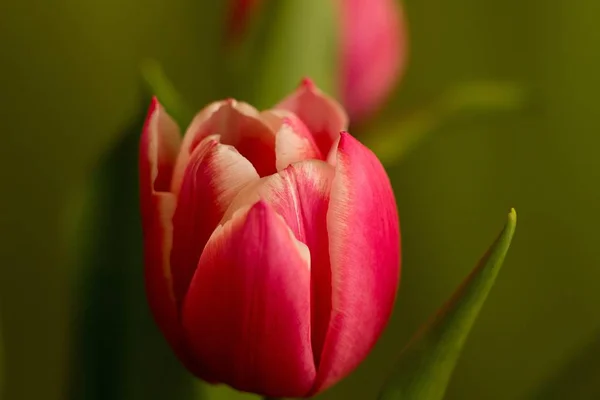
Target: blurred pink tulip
column 373, row 49
column 271, row 242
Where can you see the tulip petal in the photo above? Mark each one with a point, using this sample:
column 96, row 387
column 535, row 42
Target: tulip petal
column 300, row 194
column 238, row 124
column 159, row 147
column 374, row 45
column 158, row 150
column 364, row 242
column 214, row 175
column 323, row 116
column 293, row 140
column 196, row 128
column 247, row 311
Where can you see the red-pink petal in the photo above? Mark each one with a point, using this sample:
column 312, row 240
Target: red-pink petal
column 293, row 140
column 159, row 147
column 323, row 116
column 200, row 128
column 374, row 46
column 238, row 124
column 247, row 311
column 300, row 194
column 214, row 175
column 364, row 242
column 158, row 150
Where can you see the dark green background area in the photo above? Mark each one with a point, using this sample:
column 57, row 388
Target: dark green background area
column 69, row 84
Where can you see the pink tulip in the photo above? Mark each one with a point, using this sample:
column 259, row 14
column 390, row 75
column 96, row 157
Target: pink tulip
column 373, row 49
column 271, row 243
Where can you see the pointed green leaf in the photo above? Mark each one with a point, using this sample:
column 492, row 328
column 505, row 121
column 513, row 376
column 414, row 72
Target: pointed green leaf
column 289, row 40
column 426, row 364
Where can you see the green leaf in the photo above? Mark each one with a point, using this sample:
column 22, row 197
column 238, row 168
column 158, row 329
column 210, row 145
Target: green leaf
column 159, row 85
column 394, row 137
column 289, row 40
column 426, row 364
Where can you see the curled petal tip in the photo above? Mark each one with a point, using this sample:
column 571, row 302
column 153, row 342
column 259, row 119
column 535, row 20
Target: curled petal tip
column 308, row 84
column 212, row 141
column 152, row 109
column 286, row 121
column 154, row 103
column 322, row 115
column 346, row 139
column 342, row 140
column 260, row 207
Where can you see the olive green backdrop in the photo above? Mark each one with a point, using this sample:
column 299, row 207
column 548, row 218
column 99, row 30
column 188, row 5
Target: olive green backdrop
column 69, row 84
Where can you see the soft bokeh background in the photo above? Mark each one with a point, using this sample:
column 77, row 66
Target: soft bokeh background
column 69, row 78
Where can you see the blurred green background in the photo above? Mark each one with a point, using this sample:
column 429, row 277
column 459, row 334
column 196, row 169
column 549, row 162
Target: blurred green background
column 69, row 78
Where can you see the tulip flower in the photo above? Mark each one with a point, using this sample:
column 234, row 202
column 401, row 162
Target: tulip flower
column 373, row 49
column 271, row 243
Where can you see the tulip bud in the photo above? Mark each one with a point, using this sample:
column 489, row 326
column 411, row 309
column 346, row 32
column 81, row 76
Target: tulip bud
column 373, row 49
column 271, row 243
